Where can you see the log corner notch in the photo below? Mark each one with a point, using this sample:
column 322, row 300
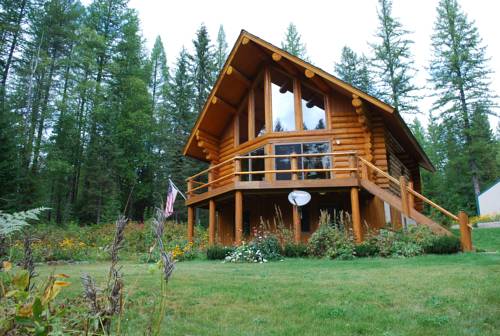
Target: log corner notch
column 361, row 112
column 209, row 145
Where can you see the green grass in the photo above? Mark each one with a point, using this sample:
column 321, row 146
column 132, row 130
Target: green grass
column 428, row 295
column 487, row 239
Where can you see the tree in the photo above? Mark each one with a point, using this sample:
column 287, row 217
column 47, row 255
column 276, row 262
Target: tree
column 353, row 69
column 220, row 49
column 460, row 79
column 392, row 62
column 293, row 42
column 158, row 82
column 203, row 67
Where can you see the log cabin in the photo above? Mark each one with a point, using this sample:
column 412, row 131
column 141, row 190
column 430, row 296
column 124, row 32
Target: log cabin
column 274, row 123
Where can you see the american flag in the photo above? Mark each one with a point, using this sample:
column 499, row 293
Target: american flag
column 171, row 195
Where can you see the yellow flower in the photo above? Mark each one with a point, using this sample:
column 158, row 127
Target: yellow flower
column 7, row 266
column 25, row 310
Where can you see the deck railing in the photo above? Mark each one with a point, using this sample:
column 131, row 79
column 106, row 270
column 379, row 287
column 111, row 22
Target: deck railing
column 231, row 169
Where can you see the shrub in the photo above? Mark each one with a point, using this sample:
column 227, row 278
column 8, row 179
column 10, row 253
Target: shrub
column 443, row 245
column 368, row 248
column 218, row 252
column 323, row 239
column 261, row 250
column 402, row 248
column 292, row 250
column 342, row 251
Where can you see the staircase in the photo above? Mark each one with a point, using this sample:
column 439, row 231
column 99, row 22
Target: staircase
column 404, row 204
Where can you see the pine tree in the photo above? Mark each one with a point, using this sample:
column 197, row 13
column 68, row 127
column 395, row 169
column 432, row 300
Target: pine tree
column 293, row 43
column 392, row 62
column 203, row 67
column 158, row 83
column 220, row 49
column 460, row 78
column 353, row 69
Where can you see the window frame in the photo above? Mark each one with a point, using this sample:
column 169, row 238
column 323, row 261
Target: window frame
column 301, row 159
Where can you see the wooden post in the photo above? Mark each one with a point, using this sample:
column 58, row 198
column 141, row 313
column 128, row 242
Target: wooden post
column 268, row 162
column 297, row 94
column 251, row 114
column 294, row 166
column 352, row 164
column 296, row 224
column 411, row 197
column 356, row 215
column 211, row 222
column 267, row 101
column 364, row 171
column 191, row 216
column 237, row 169
column 190, row 187
column 210, row 178
column 238, row 217
column 404, row 196
column 465, row 232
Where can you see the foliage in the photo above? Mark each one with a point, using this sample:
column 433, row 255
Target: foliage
column 392, row 61
column 343, row 250
column 11, row 223
column 443, row 245
column 28, row 309
column 293, row 42
column 367, row 248
column 354, row 70
column 260, row 250
column 484, row 219
column 218, row 252
column 293, row 250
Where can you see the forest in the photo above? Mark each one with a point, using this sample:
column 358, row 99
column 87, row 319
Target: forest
column 92, row 123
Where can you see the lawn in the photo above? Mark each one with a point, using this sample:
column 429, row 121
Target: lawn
column 427, row 295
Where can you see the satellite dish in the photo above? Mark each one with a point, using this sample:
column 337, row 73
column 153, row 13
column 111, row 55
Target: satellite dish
column 299, row 197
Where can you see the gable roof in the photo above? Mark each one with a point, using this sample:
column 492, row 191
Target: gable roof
column 247, row 56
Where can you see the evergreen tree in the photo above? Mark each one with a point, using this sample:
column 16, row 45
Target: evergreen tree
column 460, row 78
column 293, row 42
column 158, row 82
column 392, row 62
column 353, row 69
column 203, row 67
column 220, row 49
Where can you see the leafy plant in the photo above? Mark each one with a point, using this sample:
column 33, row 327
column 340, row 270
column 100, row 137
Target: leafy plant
column 443, row 245
column 293, row 250
column 218, row 252
column 11, row 223
column 368, row 248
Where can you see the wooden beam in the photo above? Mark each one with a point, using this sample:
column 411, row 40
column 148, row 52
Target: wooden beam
column 297, row 94
column 232, row 71
column 268, row 101
column 251, row 114
column 238, row 217
column 309, row 73
column 216, row 100
column 276, row 57
column 236, row 130
column 190, row 225
column 296, row 224
column 404, row 196
column 356, row 215
column 211, row 222
column 465, row 232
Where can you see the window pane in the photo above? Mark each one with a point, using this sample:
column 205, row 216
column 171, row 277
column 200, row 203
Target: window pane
column 313, row 109
column 253, row 165
column 317, row 162
column 282, row 103
column 285, row 163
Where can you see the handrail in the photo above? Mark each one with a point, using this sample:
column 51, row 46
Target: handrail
column 318, row 170
column 274, row 156
column 410, row 190
column 210, row 168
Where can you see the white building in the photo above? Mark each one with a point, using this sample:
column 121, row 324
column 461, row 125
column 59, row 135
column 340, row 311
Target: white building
column 489, row 200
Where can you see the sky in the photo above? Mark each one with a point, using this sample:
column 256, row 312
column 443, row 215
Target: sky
column 325, row 26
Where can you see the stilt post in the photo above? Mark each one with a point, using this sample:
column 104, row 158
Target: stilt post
column 356, row 215
column 238, row 217
column 211, row 222
column 190, row 227
column 465, row 232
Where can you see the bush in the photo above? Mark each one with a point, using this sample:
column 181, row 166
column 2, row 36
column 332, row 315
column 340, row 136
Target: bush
column 443, row 245
column 323, row 239
column 292, row 250
column 402, row 248
column 368, row 248
column 261, row 250
column 342, row 251
column 218, row 252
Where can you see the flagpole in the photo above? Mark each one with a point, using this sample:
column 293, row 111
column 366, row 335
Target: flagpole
column 180, row 192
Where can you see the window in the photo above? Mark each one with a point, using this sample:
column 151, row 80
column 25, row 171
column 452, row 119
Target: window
column 253, row 165
column 316, row 162
column 313, row 109
column 282, row 102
